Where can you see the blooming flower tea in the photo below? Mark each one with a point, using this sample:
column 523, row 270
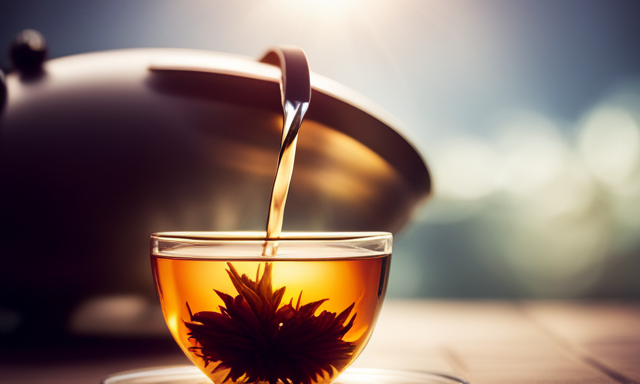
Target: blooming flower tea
column 296, row 318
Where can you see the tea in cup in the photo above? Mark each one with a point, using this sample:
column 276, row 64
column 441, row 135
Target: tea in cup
column 300, row 317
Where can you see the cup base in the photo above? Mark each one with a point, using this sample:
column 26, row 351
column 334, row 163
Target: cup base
column 187, row 374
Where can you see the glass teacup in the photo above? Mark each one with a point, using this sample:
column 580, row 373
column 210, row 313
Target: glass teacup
column 300, row 317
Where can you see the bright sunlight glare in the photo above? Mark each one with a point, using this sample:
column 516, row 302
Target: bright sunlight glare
column 327, row 5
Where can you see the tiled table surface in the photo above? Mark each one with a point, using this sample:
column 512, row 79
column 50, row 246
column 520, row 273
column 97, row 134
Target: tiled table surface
column 485, row 342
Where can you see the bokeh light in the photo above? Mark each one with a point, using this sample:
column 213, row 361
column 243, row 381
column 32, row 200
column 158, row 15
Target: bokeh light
column 555, row 206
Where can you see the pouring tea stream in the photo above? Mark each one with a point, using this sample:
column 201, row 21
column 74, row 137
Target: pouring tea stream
column 295, row 92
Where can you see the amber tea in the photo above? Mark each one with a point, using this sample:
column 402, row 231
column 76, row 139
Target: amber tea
column 301, row 317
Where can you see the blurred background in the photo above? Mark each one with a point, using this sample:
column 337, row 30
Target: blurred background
column 527, row 113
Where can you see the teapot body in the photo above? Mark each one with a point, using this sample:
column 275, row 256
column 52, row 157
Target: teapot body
column 102, row 149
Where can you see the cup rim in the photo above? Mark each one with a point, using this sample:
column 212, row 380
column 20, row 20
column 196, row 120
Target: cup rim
column 204, row 236
column 250, row 245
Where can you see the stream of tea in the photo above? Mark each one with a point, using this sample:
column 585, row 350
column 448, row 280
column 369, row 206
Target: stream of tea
column 296, row 95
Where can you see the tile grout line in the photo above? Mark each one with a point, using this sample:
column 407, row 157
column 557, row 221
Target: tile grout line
column 573, row 350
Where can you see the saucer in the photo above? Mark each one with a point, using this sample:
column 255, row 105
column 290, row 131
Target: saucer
column 188, row 374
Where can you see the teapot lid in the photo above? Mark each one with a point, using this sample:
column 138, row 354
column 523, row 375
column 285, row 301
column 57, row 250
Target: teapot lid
column 352, row 159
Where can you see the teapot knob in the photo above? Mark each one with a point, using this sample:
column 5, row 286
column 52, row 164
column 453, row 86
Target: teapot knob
column 28, row 51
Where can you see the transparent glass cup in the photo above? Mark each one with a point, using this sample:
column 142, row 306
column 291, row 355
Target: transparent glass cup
column 302, row 316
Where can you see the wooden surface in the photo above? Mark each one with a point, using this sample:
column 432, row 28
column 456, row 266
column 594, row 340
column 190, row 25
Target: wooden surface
column 504, row 342
column 484, row 342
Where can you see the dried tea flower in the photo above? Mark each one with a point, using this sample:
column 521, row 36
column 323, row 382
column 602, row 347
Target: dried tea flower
column 259, row 340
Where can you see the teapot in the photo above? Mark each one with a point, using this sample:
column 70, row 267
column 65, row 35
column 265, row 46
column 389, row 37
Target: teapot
column 98, row 150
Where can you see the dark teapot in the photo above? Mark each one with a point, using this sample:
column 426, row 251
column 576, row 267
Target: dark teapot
column 99, row 150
